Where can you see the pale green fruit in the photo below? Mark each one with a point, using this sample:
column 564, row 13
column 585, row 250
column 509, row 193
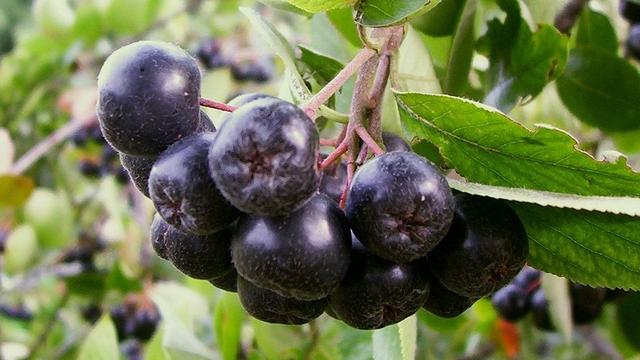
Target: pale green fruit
column 21, row 249
column 51, row 216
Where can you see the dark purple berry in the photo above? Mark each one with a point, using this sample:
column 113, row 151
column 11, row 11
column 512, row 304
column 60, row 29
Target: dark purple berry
column 376, row 293
column 227, row 282
column 393, row 142
column 184, row 193
column 630, row 11
column 260, row 71
column 139, row 169
column 540, row 311
column 633, row 41
column 201, row 257
column 146, row 321
column 400, row 206
column 484, row 250
column 210, row 54
column 333, row 180
column 265, row 157
column 268, row 306
column 148, row 97
column 511, row 302
column 302, row 255
column 528, row 279
column 89, row 168
column 445, row 303
column 586, row 303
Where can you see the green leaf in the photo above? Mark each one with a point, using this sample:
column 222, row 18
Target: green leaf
column 556, row 290
column 627, row 318
column 281, row 47
column 316, row 6
column 227, row 320
column 412, row 69
column 342, row 20
column 408, row 332
column 442, row 20
column 606, row 99
column 278, row 341
column 621, row 205
column 101, row 343
column 15, row 190
column 461, row 51
column 285, row 6
column 322, row 67
column 600, row 250
column 596, row 31
column 380, row 13
column 522, row 63
column 386, row 343
column 118, row 280
column 487, row 147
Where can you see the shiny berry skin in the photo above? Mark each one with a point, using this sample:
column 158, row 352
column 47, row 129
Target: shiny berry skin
column 445, row 303
column 399, row 206
column 148, row 97
column 333, row 180
column 139, row 169
column 376, row 293
column 511, row 302
column 182, row 191
column 393, row 142
column 265, row 157
column 486, row 247
column 200, row 257
column 303, row 255
column 271, row 307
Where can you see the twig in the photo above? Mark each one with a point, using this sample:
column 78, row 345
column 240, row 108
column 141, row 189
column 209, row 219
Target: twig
column 336, row 83
column 327, row 142
column 567, row 17
column 41, row 339
column 369, row 141
column 217, row 105
column 314, row 333
column 336, row 154
column 43, row 147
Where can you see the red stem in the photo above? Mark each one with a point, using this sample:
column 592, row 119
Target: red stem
column 335, row 155
column 217, row 105
column 327, row 142
column 368, row 140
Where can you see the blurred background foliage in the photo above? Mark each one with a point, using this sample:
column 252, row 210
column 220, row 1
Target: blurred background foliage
column 50, row 54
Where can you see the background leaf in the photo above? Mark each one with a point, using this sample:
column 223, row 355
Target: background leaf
column 596, row 31
column 607, row 99
column 101, row 343
column 315, row 6
column 227, row 319
column 379, row 13
column 556, row 290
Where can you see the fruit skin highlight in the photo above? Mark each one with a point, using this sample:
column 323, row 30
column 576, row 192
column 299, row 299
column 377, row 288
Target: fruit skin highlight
column 149, row 96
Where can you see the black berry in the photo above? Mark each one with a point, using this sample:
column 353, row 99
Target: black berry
column 376, row 293
column 633, row 41
column 586, row 303
column 393, row 142
column 210, row 54
column 184, row 193
column 485, row 248
column 228, row 282
column 528, row 279
column 511, row 302
column 259, row 71
column 268, row 306
column 139, row 169
column 201, row 257
column 540, row 311
column 400, row 206
column 333, row 180
column 630, row 11
column 148, row 97
column 445, row 303
column 146, row 321
column 302, row 255
column 264, row 159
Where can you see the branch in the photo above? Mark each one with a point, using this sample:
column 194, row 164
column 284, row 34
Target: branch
column 44, row 334
column 217, row 105
column 42, row 148
column 336, row 83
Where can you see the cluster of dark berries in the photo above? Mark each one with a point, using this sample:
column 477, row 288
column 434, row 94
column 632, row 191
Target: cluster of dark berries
column 524, row 294
column 16, row 312
column 106, row 163
column 83, row 253
column 136, row 318
column 630, row 10
column 211, row 55
column 244, row 206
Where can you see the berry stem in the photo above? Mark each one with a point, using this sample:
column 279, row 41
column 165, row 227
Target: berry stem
column 369, row 141
column 568, row 16
column 335, row 155
column 336, row 83
column 217, row 105
column 327, row 142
